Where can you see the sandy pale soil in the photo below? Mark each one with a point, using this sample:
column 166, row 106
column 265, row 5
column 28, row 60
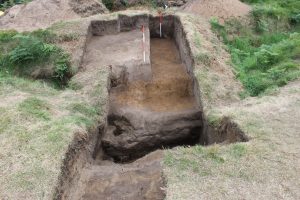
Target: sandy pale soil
column 222, row 9
column 43, row 13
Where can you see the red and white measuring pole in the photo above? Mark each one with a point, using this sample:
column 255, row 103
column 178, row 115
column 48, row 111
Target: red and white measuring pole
column 144, row 48
column 160, row 22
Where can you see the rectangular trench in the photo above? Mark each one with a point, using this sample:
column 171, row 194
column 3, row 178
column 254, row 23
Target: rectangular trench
column 153, row 104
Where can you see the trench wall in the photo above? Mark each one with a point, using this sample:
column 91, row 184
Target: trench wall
column 82, row 150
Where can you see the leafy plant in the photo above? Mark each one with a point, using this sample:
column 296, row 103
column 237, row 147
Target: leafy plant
column 5, row 4
column 27, row 50
column 263, row 54
column 35, row 107
column 109, row 4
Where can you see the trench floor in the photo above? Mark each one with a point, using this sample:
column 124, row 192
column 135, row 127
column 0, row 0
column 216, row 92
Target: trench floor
column 170, row 87
column 168, row 91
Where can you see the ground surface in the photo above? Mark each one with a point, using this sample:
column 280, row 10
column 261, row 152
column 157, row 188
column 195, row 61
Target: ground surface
column 39, row 122
column 43, row 13
column 267, row 167
column 222, row 9
column 32, row 145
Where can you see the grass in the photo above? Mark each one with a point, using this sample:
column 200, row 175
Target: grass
column 195, row 160
column 5, row 4
column 231, row 171
column 25, row 53
column 265, row 53
column 35, row 107
column 37, row 123
column 38, row 119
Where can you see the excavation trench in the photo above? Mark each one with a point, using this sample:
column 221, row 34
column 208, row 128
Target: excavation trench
column 154, row 103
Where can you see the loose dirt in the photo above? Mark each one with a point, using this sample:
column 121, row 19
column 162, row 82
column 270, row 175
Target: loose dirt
column 222, row 9
column 43, row 13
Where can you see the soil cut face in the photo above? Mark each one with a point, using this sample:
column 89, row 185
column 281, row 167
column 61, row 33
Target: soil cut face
column 169, row 89
column 153, row 104
column 161, row 112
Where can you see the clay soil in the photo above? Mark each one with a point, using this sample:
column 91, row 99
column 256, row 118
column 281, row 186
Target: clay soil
column 169, row 89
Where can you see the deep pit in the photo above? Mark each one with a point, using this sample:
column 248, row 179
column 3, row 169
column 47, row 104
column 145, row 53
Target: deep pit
column 154, row 103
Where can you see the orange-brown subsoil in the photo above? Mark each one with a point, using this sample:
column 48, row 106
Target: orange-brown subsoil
column 170, row 87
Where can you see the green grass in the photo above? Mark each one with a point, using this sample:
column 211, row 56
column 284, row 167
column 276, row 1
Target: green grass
column 24, row 53
column 35, row 107
column 266, row 53
column 37, row 124
column 195, row 160
column 5, row 4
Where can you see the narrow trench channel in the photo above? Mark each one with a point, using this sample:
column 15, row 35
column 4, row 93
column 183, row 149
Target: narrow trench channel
column 153, row 104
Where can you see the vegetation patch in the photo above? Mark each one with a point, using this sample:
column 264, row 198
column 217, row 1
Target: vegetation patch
column 35, row 54
column 266, row 52
column 5, row 4
column 35, row 107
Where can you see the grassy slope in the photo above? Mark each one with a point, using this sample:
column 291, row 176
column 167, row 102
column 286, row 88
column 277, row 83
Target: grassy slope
column 6, row 4
column 38, row 122
column 265, row 52
column 266, row 167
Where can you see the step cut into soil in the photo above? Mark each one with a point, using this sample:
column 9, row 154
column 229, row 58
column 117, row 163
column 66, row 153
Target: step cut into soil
column 154, row 103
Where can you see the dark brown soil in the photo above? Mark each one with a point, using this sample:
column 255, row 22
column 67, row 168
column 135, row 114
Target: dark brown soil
column 156, row 113
column 152, row 106
column 139, row 180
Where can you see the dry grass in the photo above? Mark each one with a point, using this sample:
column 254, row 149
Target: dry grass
column 266, row 167
column 36, row 129
column 218, row 85
column 38, row 122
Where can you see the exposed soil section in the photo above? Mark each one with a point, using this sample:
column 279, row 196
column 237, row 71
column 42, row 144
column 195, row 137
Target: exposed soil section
column 169, row 89
column 153, row 104
column 141, row 179
column 162, row 112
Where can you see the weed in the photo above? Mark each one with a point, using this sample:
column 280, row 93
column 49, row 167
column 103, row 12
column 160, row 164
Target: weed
column 5, row 120
column 197, row 39
column 109, row 4
column 74, row 85
column 35, row 107
column 238, row 150
column 213, row 120
column 21, row 53
column 5, row 4
column 213, row 154
column 264, row 60
column 203, row 58
column 169, row 159
column 83, row 109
